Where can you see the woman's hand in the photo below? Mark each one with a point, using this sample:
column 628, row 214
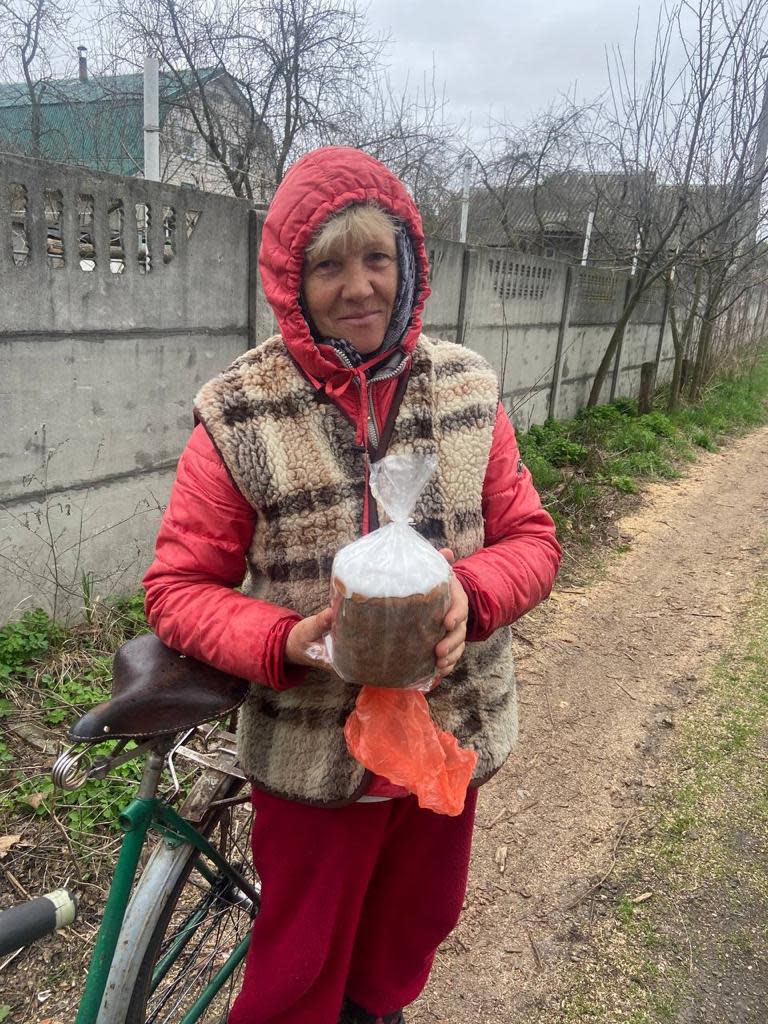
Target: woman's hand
column 451, row 647
column 306, row 632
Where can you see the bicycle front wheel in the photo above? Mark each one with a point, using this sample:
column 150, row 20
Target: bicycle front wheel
column 186, row 920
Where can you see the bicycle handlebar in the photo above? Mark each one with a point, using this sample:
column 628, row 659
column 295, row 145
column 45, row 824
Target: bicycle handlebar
column 26, row 922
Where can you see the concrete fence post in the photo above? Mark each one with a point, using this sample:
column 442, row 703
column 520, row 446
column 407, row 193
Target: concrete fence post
column 557, row 369
column 6, row 243
column 130, row 233
column 156, row 231
column 101, row 232
column 254, row 238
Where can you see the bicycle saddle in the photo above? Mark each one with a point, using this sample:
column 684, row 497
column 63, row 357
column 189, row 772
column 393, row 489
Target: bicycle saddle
column 157, row 691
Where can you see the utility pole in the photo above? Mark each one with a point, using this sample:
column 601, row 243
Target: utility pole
column 587, row 238
column 758, row 167
column 465, row 199
column 151, row 119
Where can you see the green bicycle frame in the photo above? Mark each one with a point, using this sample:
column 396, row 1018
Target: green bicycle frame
column 136, row 820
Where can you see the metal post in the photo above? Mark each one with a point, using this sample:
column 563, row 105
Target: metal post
column 465, row 200
column 565, row 316
column 587, row 238
column 663, row 325
column 151, row 119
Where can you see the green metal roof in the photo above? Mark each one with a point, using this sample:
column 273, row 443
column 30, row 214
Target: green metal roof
column 98, row 123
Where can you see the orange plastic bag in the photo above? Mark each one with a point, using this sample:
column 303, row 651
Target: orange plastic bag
column 391, row 733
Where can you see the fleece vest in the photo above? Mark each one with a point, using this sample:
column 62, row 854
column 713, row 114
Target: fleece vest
column 292, row 454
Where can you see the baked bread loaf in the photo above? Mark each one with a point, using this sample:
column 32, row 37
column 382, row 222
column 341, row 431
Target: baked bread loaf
column 387, row 641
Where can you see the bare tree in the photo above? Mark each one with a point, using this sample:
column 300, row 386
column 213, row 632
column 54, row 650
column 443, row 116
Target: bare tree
column 526, row 185
column 31, row 30
column 664, row 137
column 413, row 134
column 290, row 67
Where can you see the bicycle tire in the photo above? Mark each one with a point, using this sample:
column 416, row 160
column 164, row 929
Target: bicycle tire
column 171, row 898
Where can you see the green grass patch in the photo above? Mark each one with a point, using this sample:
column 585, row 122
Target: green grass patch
column 51, row 675
column 580, row 466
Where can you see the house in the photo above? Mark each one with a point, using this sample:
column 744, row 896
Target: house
column 552, row 218
column 98, row 122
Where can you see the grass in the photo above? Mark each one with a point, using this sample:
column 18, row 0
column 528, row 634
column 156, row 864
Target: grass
column 702, row 854
column 580, row 466
column 50, row 675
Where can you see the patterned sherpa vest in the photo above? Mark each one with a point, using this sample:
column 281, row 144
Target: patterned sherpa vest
column 292, row 453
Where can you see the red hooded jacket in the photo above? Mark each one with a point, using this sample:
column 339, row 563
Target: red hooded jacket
column 191, row 600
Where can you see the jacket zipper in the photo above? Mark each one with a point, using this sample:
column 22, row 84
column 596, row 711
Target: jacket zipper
column 373, row 432
column 373, row 429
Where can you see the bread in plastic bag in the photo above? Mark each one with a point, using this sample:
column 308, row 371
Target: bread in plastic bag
column 390, row 590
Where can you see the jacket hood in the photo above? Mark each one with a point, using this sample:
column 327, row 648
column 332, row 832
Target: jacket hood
column 317, row 186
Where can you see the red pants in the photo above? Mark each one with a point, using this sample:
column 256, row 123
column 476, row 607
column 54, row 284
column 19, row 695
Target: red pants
column 355, row 901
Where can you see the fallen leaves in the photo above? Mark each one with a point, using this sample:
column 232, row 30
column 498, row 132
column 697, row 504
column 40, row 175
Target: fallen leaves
column 642, row 898
column 7, row 843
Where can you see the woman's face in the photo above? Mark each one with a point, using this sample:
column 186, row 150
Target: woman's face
column 350, row 293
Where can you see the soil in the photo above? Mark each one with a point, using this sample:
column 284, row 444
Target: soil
column 606, row 668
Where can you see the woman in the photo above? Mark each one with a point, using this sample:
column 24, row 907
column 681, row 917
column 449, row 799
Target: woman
column 359, row 884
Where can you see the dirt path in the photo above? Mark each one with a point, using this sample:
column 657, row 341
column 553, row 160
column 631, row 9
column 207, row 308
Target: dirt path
column 604, row 670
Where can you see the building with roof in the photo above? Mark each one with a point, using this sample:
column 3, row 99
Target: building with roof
column 99, row 123
column 552, row 218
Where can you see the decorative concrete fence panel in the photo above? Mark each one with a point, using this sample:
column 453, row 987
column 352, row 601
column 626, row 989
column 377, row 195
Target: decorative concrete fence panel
column 598, row 296
column 119, row 298
column 513, row 317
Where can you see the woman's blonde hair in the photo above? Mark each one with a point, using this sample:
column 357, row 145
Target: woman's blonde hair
column 351, row 227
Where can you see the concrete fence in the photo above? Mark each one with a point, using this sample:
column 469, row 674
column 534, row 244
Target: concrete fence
column 543, row 325
column 119, row 297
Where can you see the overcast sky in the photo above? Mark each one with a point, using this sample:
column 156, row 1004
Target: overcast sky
column 509, row 55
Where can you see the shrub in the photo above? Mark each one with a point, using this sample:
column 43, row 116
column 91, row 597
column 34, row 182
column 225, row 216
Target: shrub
column 599, row 414
column 562, row 452
column 626, row 406
column 543, row 433
column 704, row 439
column 659, row 423
column 624, row 484
column 641, row 464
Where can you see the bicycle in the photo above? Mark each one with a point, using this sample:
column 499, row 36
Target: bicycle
column 170, row 947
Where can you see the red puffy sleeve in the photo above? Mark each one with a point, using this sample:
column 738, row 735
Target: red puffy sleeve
column 516, row 568
column 200, row 558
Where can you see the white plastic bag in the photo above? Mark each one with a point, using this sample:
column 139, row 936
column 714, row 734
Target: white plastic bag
column 390, row 590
